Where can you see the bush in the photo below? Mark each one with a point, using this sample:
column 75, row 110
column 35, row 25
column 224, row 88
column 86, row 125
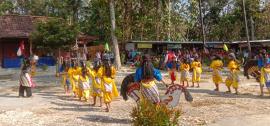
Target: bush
column 149, row 114
column 44, row 67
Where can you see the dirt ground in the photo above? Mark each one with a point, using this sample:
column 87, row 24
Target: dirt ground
column 51, row 107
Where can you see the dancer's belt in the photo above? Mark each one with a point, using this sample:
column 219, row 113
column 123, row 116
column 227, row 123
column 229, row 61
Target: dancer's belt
column 149, row 84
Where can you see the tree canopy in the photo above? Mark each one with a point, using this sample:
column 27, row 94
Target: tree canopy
column 175, row 20
column 54, row 34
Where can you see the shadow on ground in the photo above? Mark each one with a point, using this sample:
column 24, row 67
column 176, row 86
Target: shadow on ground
column 105, row 119
column 8, row 95
column 226, row 95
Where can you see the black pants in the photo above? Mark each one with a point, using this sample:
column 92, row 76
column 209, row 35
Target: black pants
column 26, row 89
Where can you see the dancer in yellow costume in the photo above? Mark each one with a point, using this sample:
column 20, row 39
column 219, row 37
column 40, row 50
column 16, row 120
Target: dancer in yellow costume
column 233, row 78
column 84, row 87
column 265, row 78
column 184, row 72
column 197, row 70
column 107, row 73
column 65, row 78
column 96, row 87
column 70, row 76
column 73, row 74
column 216, row 65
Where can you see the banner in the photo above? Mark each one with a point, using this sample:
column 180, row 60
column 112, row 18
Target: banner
column 174, row 46
column 107, row 48
column 144, row 46
column 225, row 48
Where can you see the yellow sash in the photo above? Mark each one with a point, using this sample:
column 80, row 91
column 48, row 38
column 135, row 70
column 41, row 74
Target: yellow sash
column 149, row 84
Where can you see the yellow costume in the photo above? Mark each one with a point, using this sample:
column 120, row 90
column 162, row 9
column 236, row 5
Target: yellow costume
column 184, row 72
column 233, row 78
column 84, row 87
column 197, row 70
column 265, row 77
column 108, row 85
column 216, row 65
column 70, row 75
column 96, row 87
column 65, row 79
column 73, row 74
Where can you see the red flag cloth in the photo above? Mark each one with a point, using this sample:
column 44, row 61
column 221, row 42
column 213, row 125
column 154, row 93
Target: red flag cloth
column 21, row 49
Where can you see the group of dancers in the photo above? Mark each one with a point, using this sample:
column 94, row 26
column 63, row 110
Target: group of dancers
column 232, row 80
column 98, row 81
column 85, row 82
column 216, row 65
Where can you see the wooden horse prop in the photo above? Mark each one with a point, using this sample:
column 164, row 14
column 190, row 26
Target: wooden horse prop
column 171, row 98
column 251, row 68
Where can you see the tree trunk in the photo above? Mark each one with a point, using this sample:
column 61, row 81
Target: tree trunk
column 169, row 20
column 158, row 20
column 113, row 37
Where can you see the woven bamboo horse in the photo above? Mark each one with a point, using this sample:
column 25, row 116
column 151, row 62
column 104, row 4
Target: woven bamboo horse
column 251, row 68
column 171, row 97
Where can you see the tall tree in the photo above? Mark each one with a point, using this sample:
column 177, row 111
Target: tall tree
column 113, row 37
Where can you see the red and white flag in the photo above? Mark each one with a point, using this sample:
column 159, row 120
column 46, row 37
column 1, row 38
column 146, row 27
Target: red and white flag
column 20, row 49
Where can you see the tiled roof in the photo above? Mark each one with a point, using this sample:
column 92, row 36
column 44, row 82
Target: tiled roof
column 15, row 26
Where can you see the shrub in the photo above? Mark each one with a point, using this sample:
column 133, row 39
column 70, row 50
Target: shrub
column 149, row 114
column 44, row 67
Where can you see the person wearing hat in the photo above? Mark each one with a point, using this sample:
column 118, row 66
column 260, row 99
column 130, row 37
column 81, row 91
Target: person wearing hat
column 233, row 77
column 216, row 65
column 146, row 75
column 107, row 74
column 265, row 77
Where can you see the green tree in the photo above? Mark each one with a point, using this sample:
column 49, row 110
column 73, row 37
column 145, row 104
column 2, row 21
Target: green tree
column 54, row 34
column 6, row 6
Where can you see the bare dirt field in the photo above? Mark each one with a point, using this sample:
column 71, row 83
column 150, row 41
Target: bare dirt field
column 51, row 107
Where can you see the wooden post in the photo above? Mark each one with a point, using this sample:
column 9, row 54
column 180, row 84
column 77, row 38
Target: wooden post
column 58, row 63
column 31, row 47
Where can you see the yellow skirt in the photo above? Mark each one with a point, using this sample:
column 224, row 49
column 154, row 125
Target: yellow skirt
column 217, row 78
column 96, row 90
column 97, row 93
column 107, row 97
column 185, row 75
column 232, row 80
column 84, row 94
column 196, row 76
column 109, row 90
